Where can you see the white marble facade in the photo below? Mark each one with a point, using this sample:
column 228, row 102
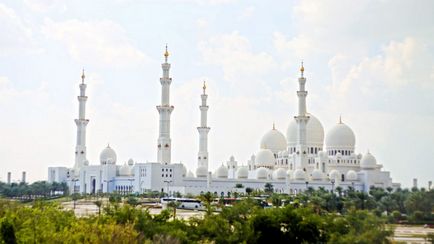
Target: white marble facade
column 303, row 157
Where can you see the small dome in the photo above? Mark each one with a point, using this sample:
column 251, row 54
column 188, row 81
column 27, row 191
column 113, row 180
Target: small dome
column 201, row 172
column 130, row 162
column 285, row 153
column 265, row 157
column 108, row 153
column 242, row 172
column 279, row 174
column 317, row 174
column 351, row 175
column 299, row 174
column 261, row 173
column 273, row 140
column 341, row 136
column 86, row 162
column 334, row 174
column 368, row 161
column 190, row 174
column 221, row 172
column 125, row 170
column 314, row 132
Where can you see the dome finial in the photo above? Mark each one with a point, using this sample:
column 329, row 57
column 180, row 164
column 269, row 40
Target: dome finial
column 82, row 76
column 302, row 68
column 340, row 119
column 204, row 87
column 166, row 54
column 274, row 126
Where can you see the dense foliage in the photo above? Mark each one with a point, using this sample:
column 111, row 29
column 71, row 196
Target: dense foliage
column 315, row 216
column 245, row 222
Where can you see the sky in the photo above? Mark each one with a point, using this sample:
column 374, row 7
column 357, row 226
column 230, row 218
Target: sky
column 370, row 61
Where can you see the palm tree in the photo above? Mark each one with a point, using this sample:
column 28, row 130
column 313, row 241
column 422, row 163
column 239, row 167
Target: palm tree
column 174, row 205
column 207, row 199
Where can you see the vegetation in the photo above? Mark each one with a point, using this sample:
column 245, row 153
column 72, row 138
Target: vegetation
column 314, row 216
column 38, row 189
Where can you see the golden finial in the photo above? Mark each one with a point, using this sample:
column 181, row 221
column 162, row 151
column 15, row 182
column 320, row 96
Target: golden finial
column 82, row 76
column 166, row 53
column 302, row 69
column 274, row 126
column 204, row 87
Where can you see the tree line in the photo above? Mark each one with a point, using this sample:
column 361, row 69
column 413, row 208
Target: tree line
column 38, row 189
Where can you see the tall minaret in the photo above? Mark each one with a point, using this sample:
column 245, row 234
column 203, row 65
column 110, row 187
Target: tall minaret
column 165, row 109
column 202, row 159
column 301, row 119
column 81, row 122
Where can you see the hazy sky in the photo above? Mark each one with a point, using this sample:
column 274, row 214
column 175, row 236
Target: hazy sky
column 370, row 61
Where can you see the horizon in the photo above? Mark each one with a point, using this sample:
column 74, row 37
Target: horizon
column 376, row 70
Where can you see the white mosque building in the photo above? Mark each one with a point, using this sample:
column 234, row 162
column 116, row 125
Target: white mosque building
column 291, row 163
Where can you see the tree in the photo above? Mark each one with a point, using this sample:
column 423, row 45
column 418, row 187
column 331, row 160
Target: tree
column 239, row 185
column 207, row 199
column 268, row 188
column 249, row 190
column 174, row 205
column 7, row 232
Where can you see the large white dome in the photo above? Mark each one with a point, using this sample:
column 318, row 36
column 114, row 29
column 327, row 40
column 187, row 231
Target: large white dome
column 314, row 132
column 261, row 173
column 242, row 172
column 106, row 154
column 273, row 140
column 340, row 136
column 279, row 174
column 368, row 161
column 201, row 172
column 222, row 172
column 265, row 157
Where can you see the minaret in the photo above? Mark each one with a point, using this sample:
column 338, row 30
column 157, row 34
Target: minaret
column 301, row 119
column 165, row 109
column 81, row 122
column 202, row 159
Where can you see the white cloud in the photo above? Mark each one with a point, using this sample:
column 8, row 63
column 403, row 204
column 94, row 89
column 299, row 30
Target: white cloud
column 44, row 6
column 16, row 35
column 247, row 12
column 103, row 42
column 240, row 64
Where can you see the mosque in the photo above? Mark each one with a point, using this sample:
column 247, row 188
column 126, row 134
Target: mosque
column 291, row 163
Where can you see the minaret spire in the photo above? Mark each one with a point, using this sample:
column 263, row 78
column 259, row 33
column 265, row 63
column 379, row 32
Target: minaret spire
column 302, row 118
column 203, row 130
column 165, row 110
column 81, row 122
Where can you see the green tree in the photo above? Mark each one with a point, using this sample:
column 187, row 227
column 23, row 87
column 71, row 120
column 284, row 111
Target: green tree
column 7, row 232
column 268, row 188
